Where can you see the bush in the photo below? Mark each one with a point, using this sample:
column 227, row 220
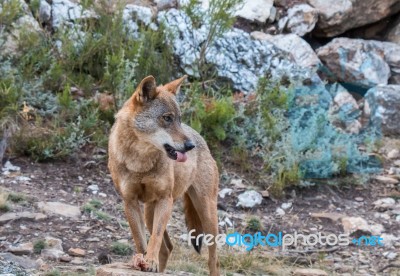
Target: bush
column 121, row 249
column 38, row 246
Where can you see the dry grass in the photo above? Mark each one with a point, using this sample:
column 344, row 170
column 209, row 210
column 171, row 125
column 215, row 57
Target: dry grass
column 4, row 207
column 232, row 260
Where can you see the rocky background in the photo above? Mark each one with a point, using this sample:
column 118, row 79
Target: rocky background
column 341, row 60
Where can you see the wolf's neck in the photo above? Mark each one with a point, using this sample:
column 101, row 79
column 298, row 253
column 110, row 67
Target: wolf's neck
column 138, row 156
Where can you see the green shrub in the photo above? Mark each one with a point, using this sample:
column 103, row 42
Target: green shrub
column 38, row 246
column 121, row 249
column 10, row 11
column 209, row 114
column 254, row 224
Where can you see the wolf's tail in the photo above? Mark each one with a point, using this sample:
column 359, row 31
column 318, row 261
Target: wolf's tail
column 193, row 222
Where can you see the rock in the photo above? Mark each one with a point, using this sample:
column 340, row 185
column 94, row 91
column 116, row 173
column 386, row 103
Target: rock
column 336, row 17
column 394, row 154
column 286, row 206
column 353, row 224
column 165, row 4
column 123, row 269
column 249, row 199
column 390, row 255
column 52, row 254
column 309, row 272
column 66, row 12
column 376, row 229
column 393, row 34
column 76, row 252
column 386, row 179
column 53, row 250
column 132, row 14
column 10, row 167
column 280, row 212
column 384, row 103
column 300, row 20
column 93, row 187
column 384, row 204
column 21, row 249
column 22, row 178
column 20, row 261
column 59, row 208
column 344, row 111
column 54, row 243
column 331, row 216
column 65, row 259
column 301, row 52
column 255, row 10
column 8, row 217
column 44, row 11
column 77, row 261
column 359, row 199
column 224, row 192
column 237, row 57
column 389, row 240
column 95, row 239
column 10, row 35
column 238, row 183
column 360, row 62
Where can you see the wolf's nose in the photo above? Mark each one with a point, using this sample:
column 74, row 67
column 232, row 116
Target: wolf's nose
column 189, row 145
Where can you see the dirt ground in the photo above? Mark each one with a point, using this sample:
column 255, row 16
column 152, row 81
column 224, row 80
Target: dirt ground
column 320, row 208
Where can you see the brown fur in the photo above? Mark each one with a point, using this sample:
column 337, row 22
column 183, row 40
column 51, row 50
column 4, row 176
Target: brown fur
column 143, row 172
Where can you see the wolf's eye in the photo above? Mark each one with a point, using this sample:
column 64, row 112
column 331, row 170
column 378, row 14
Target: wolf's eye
column 168, row 118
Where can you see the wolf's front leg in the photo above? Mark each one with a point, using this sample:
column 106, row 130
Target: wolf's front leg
column 135, row 218
column 162, row 213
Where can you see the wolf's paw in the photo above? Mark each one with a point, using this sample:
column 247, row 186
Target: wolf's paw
column 152, row 265
column 138, row 262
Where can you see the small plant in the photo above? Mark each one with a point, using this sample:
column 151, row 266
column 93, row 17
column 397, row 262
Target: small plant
column 219, row 17
column 9, row 12
column 239, row 263
column 96, row 203
column 121, row 249
column 4, row 207
column 54, row 272
column 88, row 208
column 124, row 224
column 16, row 198
column 38, row 246
column 254, row 224
column 102, row 215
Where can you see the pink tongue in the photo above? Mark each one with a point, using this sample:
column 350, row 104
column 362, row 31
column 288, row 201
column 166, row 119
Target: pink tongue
column 181, row 157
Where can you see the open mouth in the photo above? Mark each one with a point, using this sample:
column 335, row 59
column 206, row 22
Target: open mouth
column 174, row 154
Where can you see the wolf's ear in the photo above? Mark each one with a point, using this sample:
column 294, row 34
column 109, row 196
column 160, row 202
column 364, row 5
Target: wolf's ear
column 146, row 90
column 175, row 86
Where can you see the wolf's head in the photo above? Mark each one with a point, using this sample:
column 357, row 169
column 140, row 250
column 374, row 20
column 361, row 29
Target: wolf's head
column 157, row 118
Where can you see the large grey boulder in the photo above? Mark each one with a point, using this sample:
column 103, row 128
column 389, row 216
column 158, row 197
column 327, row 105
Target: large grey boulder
column 67, row 12
column 255, row 10
column 301, row 52
column 338, row 16
column 235, row 55
column 10, row 35
column 365, row 63
column 300, row 20
column 383, row 104
column 393, row 34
